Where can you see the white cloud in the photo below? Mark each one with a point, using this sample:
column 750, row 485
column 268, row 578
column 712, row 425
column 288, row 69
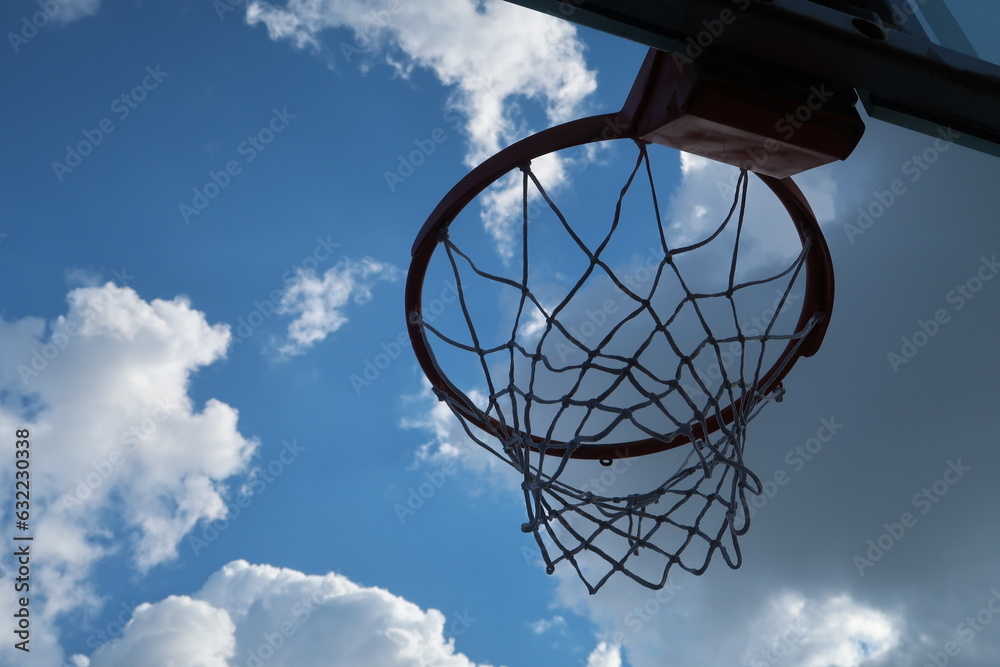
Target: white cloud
column 449, row 442
column 605, row 655
column 543, row 625
column 835, row 630
column 262, row 615
column 761, row 629
column 502, row 203
column 71, row 10
column 176, row 631
column 130, row 464
column 318, row 303
column 535, row 324
column 490, row 53
column 705, row 196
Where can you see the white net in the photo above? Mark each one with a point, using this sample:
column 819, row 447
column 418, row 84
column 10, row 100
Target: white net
column 671, row 362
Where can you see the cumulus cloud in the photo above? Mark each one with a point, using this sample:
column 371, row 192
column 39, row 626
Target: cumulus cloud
column 701, row 622
column 605, row 655
column 318, row 303
column 835, row 630
column 130, row 463
column 449, row 442
column 259, row 614
column 491, row 54
column 176, row 631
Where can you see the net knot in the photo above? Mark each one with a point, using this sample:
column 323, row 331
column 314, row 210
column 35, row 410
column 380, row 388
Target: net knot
column 642, row 500
column 515, row 442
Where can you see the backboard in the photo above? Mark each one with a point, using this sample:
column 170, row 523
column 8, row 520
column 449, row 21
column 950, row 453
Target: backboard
column 920, row 64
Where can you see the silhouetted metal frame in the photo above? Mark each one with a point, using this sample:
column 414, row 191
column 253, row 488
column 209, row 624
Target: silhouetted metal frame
column 900, row 76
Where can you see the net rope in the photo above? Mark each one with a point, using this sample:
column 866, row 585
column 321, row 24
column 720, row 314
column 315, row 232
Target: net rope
column 704, row 502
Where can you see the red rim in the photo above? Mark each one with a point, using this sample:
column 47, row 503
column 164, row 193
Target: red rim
column 818, row 301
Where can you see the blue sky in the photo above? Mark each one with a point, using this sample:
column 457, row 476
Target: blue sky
column 231, row 343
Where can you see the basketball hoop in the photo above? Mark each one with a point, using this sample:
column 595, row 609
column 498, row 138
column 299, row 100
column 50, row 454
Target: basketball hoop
column 609, row 404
